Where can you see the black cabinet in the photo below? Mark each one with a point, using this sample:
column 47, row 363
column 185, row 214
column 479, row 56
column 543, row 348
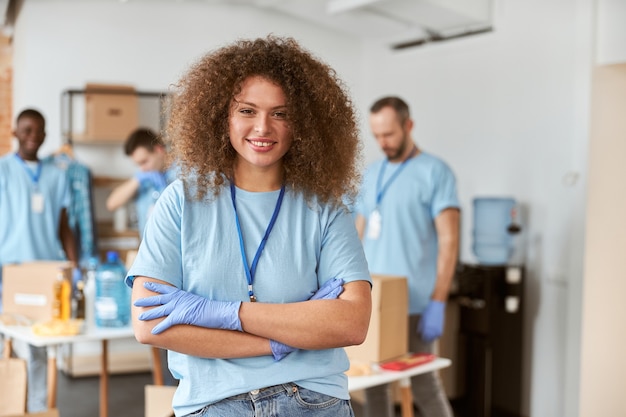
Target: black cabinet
column 491, row 300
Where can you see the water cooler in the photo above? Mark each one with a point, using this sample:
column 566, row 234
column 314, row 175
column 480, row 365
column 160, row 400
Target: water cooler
column 490, row 296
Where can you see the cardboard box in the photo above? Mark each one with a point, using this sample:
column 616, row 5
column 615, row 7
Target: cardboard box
column 158, row 400
column 28, row 288
column 387, row 336
column 111, row 112
column 12, row 386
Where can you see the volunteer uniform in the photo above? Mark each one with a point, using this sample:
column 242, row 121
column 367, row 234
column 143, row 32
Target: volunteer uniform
column 309, row 244
column 32, row 196
column 400, row 202
column 147, row 195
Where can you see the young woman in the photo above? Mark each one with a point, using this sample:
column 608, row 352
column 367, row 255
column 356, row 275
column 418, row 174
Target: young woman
column 251, row 272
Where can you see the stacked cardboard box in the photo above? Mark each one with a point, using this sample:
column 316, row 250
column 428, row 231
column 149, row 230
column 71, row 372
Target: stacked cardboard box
column 28, row 288
column 111, row 113
column 387, row 336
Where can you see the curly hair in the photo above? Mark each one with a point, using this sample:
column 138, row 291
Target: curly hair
column 323, row 159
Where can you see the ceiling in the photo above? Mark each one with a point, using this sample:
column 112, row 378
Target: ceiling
column 396, row 23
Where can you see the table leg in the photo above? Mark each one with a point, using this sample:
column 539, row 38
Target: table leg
column 407, row 397
column 52, row 376
column 104, row 379
column 157, row 369
column 8, row 347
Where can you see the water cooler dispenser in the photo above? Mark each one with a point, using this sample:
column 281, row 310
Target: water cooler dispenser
column 490, row 296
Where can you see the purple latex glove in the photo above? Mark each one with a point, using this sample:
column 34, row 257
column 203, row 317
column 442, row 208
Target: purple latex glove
column 182, row 307
column 430, row 326
column 329, row 291
column 155, row 177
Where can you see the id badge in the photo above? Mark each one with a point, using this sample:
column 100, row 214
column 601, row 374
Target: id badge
column 373, row 225
column 36, row 202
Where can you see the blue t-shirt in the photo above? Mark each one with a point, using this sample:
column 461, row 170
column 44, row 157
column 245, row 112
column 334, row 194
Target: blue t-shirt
column 30, row 211
column 194, row 246
column 147, row 195
column 407, row 242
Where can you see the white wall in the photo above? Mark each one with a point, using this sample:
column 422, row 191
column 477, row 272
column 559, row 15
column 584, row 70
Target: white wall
column 507, row 110
column 65, row 44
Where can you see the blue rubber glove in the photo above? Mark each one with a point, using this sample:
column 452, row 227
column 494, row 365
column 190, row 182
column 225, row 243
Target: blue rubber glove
column 77, row 275
column 182, row 307
column 155, row 177
column 329, row 291
column 430, row 326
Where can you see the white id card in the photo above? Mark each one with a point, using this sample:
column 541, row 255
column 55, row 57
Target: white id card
column 36, row 202
column 373, row 225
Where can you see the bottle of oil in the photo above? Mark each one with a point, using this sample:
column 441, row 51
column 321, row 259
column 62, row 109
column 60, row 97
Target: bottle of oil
column 66, row 298
column 79, row 300
column 57, row 301
column 62, row 303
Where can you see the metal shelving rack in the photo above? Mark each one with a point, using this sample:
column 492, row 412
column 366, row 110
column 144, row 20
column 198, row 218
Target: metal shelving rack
column 68, row 106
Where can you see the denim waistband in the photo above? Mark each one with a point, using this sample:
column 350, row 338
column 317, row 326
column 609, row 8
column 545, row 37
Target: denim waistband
column 257, row 394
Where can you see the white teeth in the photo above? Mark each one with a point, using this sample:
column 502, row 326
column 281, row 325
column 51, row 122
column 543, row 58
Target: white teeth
column 261, row 144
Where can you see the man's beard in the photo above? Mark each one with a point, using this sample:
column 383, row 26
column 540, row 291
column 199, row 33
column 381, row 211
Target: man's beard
column 395, row 155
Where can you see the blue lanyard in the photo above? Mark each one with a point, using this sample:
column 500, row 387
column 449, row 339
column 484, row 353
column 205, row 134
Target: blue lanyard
column 381, row 191
column 251, row 270
column 34, row 176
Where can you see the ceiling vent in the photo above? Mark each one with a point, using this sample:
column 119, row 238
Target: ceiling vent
column 397, row 23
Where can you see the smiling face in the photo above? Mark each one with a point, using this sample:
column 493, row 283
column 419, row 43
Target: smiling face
column 30, row 132
column 259, row 130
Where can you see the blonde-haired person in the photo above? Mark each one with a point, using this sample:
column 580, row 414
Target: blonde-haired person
column 251, row 272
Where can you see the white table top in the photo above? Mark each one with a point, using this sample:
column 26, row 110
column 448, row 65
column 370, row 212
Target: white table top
column 382, row 376
column 26, row 334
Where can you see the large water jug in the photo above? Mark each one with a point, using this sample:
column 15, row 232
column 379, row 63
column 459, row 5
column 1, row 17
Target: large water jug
column 112, row 304
column 493, row 233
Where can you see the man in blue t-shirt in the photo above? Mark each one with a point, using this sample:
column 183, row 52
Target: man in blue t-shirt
column 408, row 219
column 148, row 152
column 34, row 196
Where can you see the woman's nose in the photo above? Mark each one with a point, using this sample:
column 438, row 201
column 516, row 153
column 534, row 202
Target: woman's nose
column 262, row 124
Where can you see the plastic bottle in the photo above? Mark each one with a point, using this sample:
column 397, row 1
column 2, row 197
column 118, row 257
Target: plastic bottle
column 89, row 292
column 78, row 305
column 112, row 305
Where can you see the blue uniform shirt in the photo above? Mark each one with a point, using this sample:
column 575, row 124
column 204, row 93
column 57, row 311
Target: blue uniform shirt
column 194, row 246
column 29, row 230
column 407, row 242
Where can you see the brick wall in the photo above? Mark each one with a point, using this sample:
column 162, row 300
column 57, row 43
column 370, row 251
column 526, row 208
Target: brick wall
column 6, row 94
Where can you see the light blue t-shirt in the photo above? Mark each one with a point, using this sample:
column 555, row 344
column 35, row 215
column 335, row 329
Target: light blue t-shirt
column 194, row 246
column 407, row 242
column 30, row 211
column 147, row 195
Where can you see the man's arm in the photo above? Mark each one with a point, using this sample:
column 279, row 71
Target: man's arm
column 122, row 194
column 447, row 226
column 67, row 238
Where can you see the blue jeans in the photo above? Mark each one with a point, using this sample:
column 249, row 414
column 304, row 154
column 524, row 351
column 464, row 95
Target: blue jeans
column 284, row 400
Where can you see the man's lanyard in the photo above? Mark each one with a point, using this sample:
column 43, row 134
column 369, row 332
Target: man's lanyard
column 381, row 191
column 251, row 270
column 34, row 176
